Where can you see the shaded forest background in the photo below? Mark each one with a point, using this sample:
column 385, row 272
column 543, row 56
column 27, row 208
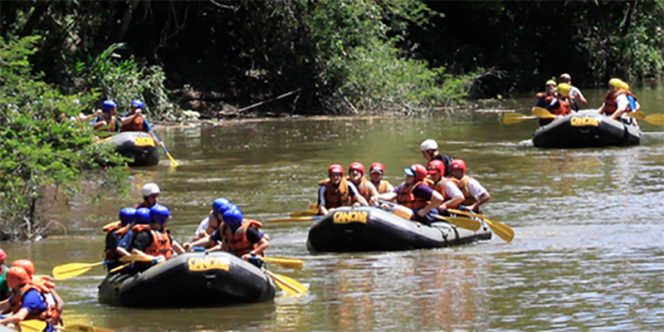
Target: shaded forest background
column 334, row 56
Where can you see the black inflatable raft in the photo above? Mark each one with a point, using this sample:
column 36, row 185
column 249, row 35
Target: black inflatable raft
column 189, row 280
column 372, row 229
column 137, row 145
column 586, row 129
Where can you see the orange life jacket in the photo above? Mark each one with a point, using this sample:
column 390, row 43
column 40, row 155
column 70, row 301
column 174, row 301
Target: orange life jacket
column 610, row 105
column 382, row 186
column 463, row 185
column 363, row 188
column 137, row 124
column 161, row 242
column 237, row 241
column 43, row 285
column 407, row 198
column 564, row 107
column 336, row 196
column 440, row 187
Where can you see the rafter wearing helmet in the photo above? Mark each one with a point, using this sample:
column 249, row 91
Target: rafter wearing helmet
column 336, row 191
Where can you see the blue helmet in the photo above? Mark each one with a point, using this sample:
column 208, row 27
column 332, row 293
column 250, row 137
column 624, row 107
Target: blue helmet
column 221, row 205
column 108, row 105
column 159, row 214
column 233, row 218
column 142, row 216
column 137, row 103
column 127, row 216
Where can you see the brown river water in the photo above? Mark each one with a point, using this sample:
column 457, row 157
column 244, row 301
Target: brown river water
column 588, row 252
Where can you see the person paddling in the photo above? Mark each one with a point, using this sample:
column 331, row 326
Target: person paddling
column 141, row 217
column 28, row 301
column 560, row 104
column 416, row 194
column 429, row 149
column 107, row 120
column 474, row 194
column 452, row 195
column 621, row 102
column 4, row 289
column 208, row 225
column 365, row 188
column 154, row 241
column 574, row 93
column 336, row 191
column 52, row 299
column 134, row 121
column 115, row 234
column 376, row 173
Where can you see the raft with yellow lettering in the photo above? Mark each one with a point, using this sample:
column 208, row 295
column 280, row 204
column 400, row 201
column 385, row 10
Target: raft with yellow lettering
column 586, row 129
column 196, row 279
column 365, row 228
column 136, row 145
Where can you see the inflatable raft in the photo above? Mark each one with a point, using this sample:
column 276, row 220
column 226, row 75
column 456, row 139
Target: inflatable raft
column 137, row 145
column 190, row 280
column 586, row 129
column 372, row 229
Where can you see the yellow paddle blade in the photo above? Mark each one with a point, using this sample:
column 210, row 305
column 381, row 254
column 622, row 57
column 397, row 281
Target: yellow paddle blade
column 67, row 271
column 307, row 213
column 134, row 259
column 174, row 162
column 656, row 119
column 287, row 284
column 542, row 113
column 512, row 118
column 637, row 115
column 83, row 328
column 467, row 223
column 503, row 231
column 286, row 262
column 32, row 325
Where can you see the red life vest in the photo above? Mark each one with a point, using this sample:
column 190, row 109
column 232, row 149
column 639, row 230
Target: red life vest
column 336, row 196
column 43, row 285
column 610, row 105
column 363, row 188
column 237, row 241
column 564, row 107
column 407, row 198
column 440, row 187
column 161, row 242
column 137, row 124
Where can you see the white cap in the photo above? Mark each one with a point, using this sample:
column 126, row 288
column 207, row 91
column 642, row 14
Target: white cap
column 150, row 189
column 429, row 145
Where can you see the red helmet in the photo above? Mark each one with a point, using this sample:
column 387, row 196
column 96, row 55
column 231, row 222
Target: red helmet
column 377, row 167
column 356, row 167
column 26, row 264
column 335, row 168
column 17, row 277
column 417, row 170
column 436, row 166
column 458, row 164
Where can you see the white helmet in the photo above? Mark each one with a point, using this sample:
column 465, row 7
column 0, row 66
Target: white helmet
column 428, row 145
column 150, row 189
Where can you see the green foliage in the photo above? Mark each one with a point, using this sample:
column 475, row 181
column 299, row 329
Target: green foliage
column 39, row 145
column 124, row 81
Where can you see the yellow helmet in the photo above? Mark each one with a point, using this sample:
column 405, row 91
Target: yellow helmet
column 550, row 82
column 615, row 83
column 563, row 89
column 624, row 86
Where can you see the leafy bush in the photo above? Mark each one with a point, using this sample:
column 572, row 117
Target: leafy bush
column 39, row 145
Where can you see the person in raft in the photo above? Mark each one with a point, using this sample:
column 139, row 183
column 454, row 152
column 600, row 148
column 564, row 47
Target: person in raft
column 53, row 300
column 28, row 301
column 376, row 174
column 336, row 191
column 108, row 119
column 560, row 105
column 239, row 236
column 575, row 94
column 150, row 192
column 141, row 217
column 154, row 241
column 363, row 185
column 447, row 187
column 429, row 149
column 619, row 101
column 4, row 289
column 134, row 121
column 114, row 235
column 474, row 194
column 208, row 225
column 416, row 195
